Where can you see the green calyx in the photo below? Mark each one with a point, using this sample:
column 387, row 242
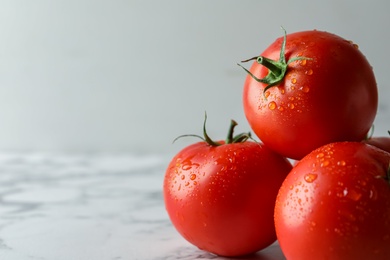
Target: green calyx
column 230, row 139
column 276, row 69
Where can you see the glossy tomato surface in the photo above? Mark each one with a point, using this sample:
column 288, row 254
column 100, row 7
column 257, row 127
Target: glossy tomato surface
column 335, row 204
column 330, row 96
column 221, row 198
column 382, row 142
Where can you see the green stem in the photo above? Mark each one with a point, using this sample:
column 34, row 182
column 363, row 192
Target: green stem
column 276, row 69
column 230, row 139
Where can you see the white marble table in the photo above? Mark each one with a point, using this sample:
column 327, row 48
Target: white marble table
column 90, row 207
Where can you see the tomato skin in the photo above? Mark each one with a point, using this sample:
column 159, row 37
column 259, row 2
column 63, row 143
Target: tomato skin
column 319, row 99
column 221, row 199
column 382, row 142
column 335, row 204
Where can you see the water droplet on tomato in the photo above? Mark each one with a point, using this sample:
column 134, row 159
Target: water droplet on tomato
column 266, row 94
column 309, row 72
column 320, row 155
column 192, row 176
column 373, row 194
column 291, row 105
column 186, row 167
column 310, row 177
column 303, row 62
column 293, row 80
column 304, row 89
column 352, row 194
column 341, row 163
column 324, row 164
column 281, row 108
column 272, row 105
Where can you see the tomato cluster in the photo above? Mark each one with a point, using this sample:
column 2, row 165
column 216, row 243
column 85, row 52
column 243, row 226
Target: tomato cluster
column 311, row 96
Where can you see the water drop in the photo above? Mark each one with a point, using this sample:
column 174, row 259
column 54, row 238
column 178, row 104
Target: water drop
column 324, row 164
column 291, row 105
column 320, row 155
column 193, row 177
column 310, row 177
column 272, row 105
column 303, row 62
column 304, row 89
column 373, row 194
column 266, row 94
column 182, row 177
column 341, row 163
column 186, row 167
column 309, row 72
column 280, row 108
column 293, row 80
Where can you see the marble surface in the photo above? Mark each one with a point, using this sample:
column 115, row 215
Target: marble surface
column 90, row 206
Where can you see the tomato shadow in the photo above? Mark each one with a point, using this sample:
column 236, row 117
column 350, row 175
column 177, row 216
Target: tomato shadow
column 273, row 252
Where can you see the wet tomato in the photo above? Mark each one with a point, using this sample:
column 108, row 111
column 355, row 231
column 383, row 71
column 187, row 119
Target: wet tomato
column 335, row 204
column 382, row 142
column 309, row 89
column 220, row 196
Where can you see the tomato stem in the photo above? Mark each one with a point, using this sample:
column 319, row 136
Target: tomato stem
column 206, row 136
column 276, row 69
column 230, row 139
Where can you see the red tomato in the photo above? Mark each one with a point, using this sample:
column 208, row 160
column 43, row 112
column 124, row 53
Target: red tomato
column 221, row 196
column 382, row 142
column 317, row 89
column 335, row 204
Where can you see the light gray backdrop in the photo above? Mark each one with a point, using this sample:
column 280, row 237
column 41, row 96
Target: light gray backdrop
column 116, row 76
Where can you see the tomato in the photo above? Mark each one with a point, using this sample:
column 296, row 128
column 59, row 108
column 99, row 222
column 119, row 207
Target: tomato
column 335, row 204
column 309, row 89
column 382, row 142
column 220, row 196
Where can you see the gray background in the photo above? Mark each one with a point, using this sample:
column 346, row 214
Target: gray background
column 130, row 76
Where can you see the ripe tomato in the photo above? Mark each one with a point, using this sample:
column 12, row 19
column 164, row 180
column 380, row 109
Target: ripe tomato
column 220, row 196
column 382, row 142
column 309, row 89
column 335, row 204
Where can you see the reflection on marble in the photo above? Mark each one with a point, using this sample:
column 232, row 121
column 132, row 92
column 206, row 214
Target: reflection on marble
column 83, row 207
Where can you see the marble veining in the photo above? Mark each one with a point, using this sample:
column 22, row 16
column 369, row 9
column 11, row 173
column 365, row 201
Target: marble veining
column 90, row 207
